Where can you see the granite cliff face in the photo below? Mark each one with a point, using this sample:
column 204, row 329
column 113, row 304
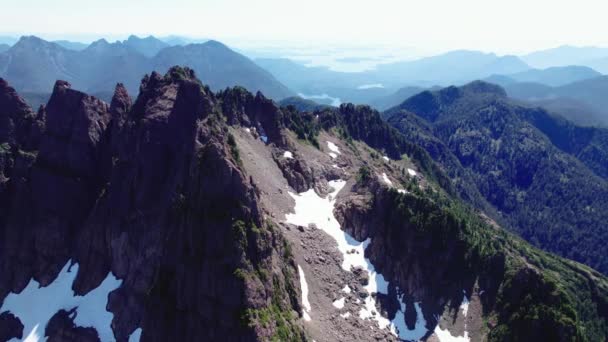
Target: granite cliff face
column 150, row 192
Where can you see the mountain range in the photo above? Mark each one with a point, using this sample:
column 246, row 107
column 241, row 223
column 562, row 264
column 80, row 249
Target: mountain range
column 573, row 92
column 594, row 57
column 216, row 201
column 554, row 76
column 582, row 101
column 365, row 87
column 190, row 214
column 32, row 65
column 517, row 158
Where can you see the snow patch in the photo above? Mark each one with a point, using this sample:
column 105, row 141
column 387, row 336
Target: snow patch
column 288, row 155
column 264, row 139
column 135, row 336
column 465, row 304
column 400, row 328
column 311, row 208
column 345, row 315
column 35, row 305
column 346, row 289
column 445, row 335
column 333, row 155
column 385, row 158
column 386, row 180
column 333, row 147
column 411, row 172
column 339, row 303
column 247, row 130
column 370, row 86
column 305, row 303
column 33, row 336
column 402, row 191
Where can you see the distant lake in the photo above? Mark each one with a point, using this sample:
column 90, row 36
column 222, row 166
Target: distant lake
column 322, row 99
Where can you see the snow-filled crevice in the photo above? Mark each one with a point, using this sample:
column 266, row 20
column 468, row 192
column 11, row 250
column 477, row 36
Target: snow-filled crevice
column 35, row 305
column 445, row 335
column 386, row 179
column 310, row 208
column 304, row 288
column 333, row 147
column 135, row 336
column 339, row 303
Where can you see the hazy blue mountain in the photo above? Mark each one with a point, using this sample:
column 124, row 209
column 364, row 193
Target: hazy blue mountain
column 306, row 79
column 220, row 67
column 4, row 47
column 555, row 76
column 450, row 68
column 600, row 64
column 388, row 101
column 103, row 64
column 380, row 86
column 584, row 102
column 355, row 87
column 564, row 56
column 33, row 65
column 70, row 45
column 148, row 46
column 174, row 40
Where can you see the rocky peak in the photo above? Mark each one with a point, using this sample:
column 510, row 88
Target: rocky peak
column 73, row 115
column 167, row 209
column 164, row 96
column 30, row 41
column 13, row 112
column 243, row 108
column 121, row 101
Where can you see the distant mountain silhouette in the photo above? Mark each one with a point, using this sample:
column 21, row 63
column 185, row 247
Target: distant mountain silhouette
column 221, row 67
column 148, row 46
column 600, row 64
column 70, row 45
column 554, row 76
column 450, row 68
column 589, row 93
column 565, row 55
column 455, row 67
column 4, row 47
column 33, row 64
column 388, row 101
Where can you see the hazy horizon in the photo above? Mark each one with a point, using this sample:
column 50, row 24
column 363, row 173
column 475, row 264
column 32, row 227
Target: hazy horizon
column 515, row 27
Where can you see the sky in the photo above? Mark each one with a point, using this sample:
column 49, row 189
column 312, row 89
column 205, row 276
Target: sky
column 505, row 27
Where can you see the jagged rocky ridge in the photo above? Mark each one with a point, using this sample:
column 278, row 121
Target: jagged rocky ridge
column 151, row 192
column 155, row 192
